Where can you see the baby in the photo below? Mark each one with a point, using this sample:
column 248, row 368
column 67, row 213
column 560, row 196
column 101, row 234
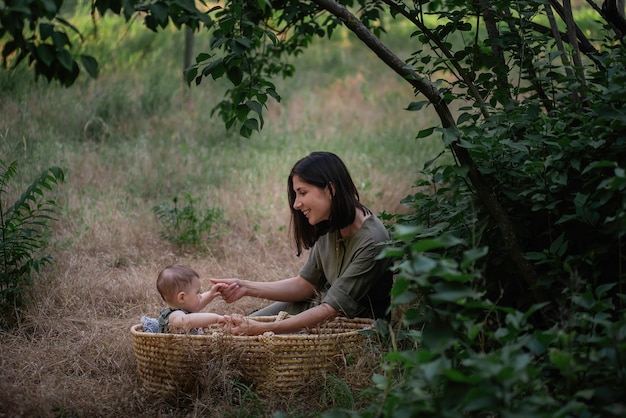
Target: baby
column 179, row 287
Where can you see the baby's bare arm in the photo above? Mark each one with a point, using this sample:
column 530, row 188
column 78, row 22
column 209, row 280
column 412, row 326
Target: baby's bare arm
column 211, row 294
column 181, row 322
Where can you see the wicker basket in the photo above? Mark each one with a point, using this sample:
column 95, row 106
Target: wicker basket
column 272, row 363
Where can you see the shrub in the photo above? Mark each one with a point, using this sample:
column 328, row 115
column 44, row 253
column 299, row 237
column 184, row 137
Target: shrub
column 188, row 224
column 24, row 226
column 487, row 344
column 490, row 341
column 477, row 357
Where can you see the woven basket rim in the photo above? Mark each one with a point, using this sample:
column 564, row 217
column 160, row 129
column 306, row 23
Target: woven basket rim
column 366, row 323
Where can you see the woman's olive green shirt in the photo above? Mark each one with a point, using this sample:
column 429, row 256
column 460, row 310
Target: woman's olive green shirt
column 347, row 272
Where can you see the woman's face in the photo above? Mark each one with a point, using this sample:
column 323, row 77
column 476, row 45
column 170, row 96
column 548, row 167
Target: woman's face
column 312, row 201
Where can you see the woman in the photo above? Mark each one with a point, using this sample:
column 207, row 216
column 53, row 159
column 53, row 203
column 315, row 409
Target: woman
column 342, row 275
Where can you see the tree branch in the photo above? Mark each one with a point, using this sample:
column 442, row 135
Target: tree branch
column 501, row 70
column 446, row 52
column 585, row 46
column 559, row 44
column 572, row 29
column 612, row 14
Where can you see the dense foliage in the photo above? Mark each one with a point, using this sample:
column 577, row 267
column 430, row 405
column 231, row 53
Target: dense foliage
column 35, row 32
column 24, row 228
column 510, row 268
column 550, row 144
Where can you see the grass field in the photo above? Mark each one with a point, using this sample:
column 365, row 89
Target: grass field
column 138, row 137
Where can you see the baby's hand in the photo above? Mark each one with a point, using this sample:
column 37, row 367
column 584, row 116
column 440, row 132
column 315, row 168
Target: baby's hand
column 233, row 322
column 216, row 289
column 231, row 290
column 243, row 325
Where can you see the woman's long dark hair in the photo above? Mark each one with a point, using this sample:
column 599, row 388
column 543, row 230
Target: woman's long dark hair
column 323, row 169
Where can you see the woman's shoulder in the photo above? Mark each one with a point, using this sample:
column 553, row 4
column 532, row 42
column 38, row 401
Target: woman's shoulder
column 374, row 227
column 374, row 222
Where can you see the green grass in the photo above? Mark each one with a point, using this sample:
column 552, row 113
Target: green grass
column 139, row 114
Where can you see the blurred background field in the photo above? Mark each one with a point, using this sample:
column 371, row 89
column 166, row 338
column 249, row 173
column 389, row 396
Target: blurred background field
column 138, row 137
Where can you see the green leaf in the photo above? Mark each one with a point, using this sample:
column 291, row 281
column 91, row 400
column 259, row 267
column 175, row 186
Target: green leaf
column 559, row 246
column 379, row 380
column 422, row 264
column 425, row 133
column 46, row 30
column 459, row 377
column 272, row 92
column 415, row 106
column 65, row 59
column 472, row 255
column 270, row 34
column 428, row 244
column 235, row 75
column 202, row 57
column 251, row 124
column 190, row 74
column 405, row 298
column 60, row 40
column 438, row 336
column 45, row 53
column 90, row 64
column 603, row 289
column 464, row 117
column 561, row 360
column 159, row 13
column 215, row 68
column 244, row 43
column 450, row 134
column 255, row 107
column 434, row 369
column 452, row 292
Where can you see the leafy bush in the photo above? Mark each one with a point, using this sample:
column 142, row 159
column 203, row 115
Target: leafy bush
column 187, row 224
column 24, row 226
column 561, row 177
column 476, row 357
column 490, row 341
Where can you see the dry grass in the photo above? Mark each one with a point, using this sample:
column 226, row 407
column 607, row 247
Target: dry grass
column 71, row 353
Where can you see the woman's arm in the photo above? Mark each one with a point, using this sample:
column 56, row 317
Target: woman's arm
column 294, row 289
column 310, row 318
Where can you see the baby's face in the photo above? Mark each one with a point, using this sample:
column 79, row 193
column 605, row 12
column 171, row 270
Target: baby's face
column 192, row 296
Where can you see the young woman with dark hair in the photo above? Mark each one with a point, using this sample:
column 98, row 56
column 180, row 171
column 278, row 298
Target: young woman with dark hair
column 342, row 275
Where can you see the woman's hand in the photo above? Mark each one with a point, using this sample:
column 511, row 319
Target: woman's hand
column 313, row 317
column 294, row 289
column 243, row 325
column 230, row 289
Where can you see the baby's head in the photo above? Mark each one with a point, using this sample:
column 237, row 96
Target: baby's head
column 175, row 279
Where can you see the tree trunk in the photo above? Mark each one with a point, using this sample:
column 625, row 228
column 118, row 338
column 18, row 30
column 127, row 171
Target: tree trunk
column 483, row 189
